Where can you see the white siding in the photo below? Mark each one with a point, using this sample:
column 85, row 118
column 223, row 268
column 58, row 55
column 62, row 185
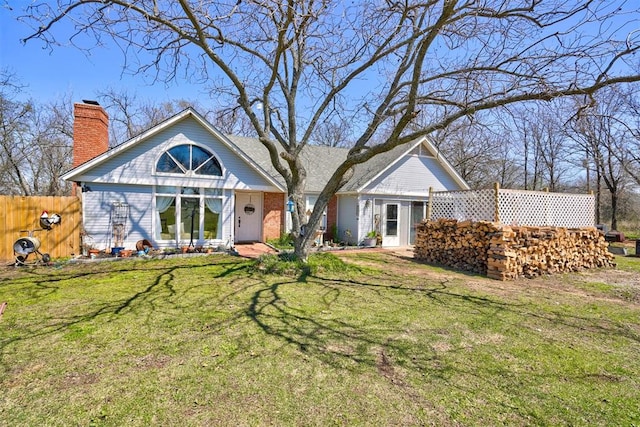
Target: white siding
column 98, row 203
column 97, row 207
column 228, row 218
column 366, row 221
column 136, row 164
column 374, row 207
column 347, row 218
column 412, row 175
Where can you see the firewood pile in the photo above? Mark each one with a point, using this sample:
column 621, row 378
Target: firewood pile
column 508, row 252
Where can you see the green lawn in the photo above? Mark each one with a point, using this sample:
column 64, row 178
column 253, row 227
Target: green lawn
column 378, row 340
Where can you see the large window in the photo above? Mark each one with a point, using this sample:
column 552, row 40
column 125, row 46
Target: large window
column 189, row 159
column 188, row 215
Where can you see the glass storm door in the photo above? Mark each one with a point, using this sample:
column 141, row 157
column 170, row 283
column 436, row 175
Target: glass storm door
column 391, row 224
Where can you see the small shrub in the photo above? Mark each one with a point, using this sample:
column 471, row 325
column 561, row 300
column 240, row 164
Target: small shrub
column 285, row 263
column 327, row 262
column 285, row 241
column 288, row 264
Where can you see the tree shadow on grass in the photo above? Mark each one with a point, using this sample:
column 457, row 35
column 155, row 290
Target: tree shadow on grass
column 159, row 294
column 345, row 341
column 405, row 354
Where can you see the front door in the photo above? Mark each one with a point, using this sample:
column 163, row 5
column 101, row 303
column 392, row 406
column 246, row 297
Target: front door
column 391, row 224
column 248, row 217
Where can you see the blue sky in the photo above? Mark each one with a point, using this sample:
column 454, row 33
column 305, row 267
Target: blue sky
column 50, row 75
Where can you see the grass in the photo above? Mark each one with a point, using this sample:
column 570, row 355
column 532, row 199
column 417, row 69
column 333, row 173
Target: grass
column 285, row 241
column 367, row 339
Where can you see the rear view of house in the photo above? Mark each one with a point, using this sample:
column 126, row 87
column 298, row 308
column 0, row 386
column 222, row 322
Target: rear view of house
column 183, row 182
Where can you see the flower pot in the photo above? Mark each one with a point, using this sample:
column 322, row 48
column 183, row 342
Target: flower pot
column 369, row 242
column 93, row 253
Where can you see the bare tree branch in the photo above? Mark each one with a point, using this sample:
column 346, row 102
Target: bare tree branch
column 383, row 64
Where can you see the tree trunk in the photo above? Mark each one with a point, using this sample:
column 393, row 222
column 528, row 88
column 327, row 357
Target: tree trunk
column 614, row 210
column 598, row 195
column 302, row 246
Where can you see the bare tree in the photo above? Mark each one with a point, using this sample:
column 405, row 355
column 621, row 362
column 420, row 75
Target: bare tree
column 547, row 159
column 381, row 62
column 53, row 143
column 600, row 134
column 335, row 133
column 480, row 151
column 129, row 115
column 14, row 118
column 35, row 145
column 632, row 147
column 231, row 121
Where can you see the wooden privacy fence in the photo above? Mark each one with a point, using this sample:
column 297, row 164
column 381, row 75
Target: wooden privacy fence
column 21, row 215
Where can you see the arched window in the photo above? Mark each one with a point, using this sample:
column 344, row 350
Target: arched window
column 189, row 159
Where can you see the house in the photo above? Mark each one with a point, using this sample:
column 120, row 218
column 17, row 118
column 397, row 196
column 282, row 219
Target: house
column 183, row 182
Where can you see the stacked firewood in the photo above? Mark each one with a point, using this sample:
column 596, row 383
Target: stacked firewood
column 508, row 252
column 461, row 245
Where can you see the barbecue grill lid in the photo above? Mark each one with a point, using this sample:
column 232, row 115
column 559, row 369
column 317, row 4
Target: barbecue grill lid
column 26, row 245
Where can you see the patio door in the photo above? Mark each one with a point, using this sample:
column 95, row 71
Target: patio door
column 391, row 224
column 248, row 217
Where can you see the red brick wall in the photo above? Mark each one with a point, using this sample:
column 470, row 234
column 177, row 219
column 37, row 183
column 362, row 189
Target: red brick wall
column 332, row 218
column 273, row 216
column 90, row 132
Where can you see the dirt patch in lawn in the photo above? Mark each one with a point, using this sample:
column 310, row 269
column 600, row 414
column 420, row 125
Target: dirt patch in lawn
column 621, row 285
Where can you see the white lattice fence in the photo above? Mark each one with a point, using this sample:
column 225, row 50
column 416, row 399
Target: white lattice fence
column 515, row 207
column 539, row 208
column 474, row 205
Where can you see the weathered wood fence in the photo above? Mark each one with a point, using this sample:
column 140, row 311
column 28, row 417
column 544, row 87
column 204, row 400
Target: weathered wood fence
column 20, row 216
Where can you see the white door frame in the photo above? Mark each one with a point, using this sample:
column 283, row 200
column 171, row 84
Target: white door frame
column 387, row 224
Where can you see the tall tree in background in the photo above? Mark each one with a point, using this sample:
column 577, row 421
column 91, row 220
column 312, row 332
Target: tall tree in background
column 600, row 134
column 632, row 147
column 542, row 145
column 376, row 64
column 35, row 143
column 480, row 151
column 129, row 115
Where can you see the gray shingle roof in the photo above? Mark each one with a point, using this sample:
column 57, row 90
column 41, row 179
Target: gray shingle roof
column 320, row 162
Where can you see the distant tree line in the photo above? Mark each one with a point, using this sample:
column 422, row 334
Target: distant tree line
column 580, row 144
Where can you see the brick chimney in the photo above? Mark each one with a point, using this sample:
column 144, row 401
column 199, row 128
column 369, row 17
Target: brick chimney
column 90, row 134
column 90, row 131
